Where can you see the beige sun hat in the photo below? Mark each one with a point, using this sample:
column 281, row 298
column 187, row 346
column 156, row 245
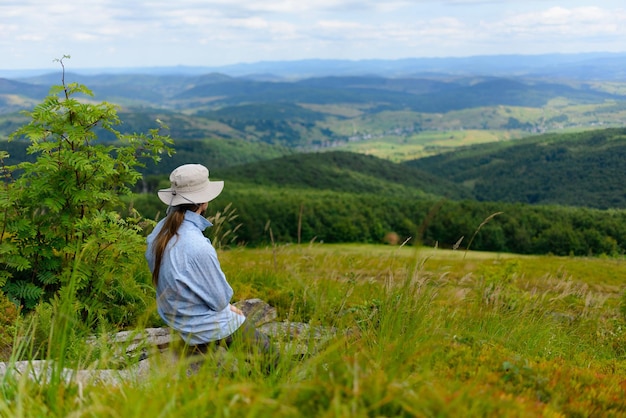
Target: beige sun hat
column 190, row 184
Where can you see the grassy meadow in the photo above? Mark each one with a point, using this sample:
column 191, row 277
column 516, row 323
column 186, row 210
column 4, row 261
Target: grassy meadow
column 405, row 135
column 409, row 147
column 420, row 332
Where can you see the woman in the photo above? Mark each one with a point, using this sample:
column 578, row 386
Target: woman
column 193, row 295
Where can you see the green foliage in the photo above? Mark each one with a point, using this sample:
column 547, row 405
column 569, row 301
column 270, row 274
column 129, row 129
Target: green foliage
column 62, row 232
column 343, row 172
column 214, row 153
column 577, row 169
column 345, row 197
column 303, row 215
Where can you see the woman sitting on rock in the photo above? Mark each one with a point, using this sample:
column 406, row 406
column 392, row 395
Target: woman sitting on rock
column 193, row 295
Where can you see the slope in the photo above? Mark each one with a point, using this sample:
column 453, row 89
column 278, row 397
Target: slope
column 345, row 172
column 578, row 169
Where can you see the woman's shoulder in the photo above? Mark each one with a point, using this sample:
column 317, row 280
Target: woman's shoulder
column 193, row 237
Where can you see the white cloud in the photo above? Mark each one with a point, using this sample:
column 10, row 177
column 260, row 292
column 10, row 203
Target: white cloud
column 581, row 22
column 163, row 32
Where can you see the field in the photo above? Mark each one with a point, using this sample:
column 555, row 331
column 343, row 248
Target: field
column 409, row 147
column 402, row 135
column 421, row 332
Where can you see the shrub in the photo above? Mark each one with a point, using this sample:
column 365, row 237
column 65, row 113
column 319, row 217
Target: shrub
column 63, row 235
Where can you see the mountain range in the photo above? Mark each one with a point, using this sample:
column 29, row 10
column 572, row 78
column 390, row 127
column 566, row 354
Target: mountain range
column 596, row 65
column 260, row 121
column 319, row 103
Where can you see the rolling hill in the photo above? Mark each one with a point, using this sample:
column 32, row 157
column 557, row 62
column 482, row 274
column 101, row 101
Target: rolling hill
column 344, row 172
column 262, row 123
column 584, row 169
column 598, row 65
column 315, row 104
column 579, row 169
column 344, row 197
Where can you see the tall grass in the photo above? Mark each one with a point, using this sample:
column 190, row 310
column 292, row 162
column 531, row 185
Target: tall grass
column 419, row 333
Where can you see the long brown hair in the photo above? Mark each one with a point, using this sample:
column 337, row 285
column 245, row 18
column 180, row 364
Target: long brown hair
column 168, row 231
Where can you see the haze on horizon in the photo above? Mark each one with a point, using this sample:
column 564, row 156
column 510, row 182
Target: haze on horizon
column 119, row 33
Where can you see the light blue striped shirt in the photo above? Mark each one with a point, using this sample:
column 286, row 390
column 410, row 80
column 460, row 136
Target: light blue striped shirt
column 193, row 296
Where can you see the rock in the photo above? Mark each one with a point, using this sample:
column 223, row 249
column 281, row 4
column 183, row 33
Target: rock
column 42, row 371
column 298, row 338
column 149, row 348
column 257, row 311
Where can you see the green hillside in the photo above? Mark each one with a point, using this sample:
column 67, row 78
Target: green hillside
column 577, row 169
column 344, row 172
column 584, row 169
column 398, row 118
column 415, row 94
column 214, row 153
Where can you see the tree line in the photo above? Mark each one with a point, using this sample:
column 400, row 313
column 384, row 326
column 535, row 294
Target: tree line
column 298, row 215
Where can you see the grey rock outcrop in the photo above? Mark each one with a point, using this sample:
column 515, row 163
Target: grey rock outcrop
column 138, row 351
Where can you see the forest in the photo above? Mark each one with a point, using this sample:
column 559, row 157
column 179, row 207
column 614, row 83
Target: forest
column 345, row 197
column 584, row 169
column 558, row 194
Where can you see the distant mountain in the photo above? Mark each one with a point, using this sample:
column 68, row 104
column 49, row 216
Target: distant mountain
column 584, row 169
column 16, row 95
column 584, row 66
column 321, row 104
column 23, row 89
column 301, row 113
column 214, row 153
column 218, row 90
column 579, row 169
column 604, row 66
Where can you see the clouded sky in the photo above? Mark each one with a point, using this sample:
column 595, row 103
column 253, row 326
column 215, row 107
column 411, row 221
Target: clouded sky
column 131, row 33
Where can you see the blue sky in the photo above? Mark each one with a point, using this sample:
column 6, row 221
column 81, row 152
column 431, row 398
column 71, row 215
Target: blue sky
column 138, row 33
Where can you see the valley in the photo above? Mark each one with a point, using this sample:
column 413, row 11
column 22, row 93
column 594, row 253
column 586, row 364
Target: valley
column 394, row 111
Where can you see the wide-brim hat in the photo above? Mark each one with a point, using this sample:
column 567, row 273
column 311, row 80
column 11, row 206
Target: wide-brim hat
column 190, row 184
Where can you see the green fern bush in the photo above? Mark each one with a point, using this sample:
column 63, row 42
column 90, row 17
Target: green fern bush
column 62, row 232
